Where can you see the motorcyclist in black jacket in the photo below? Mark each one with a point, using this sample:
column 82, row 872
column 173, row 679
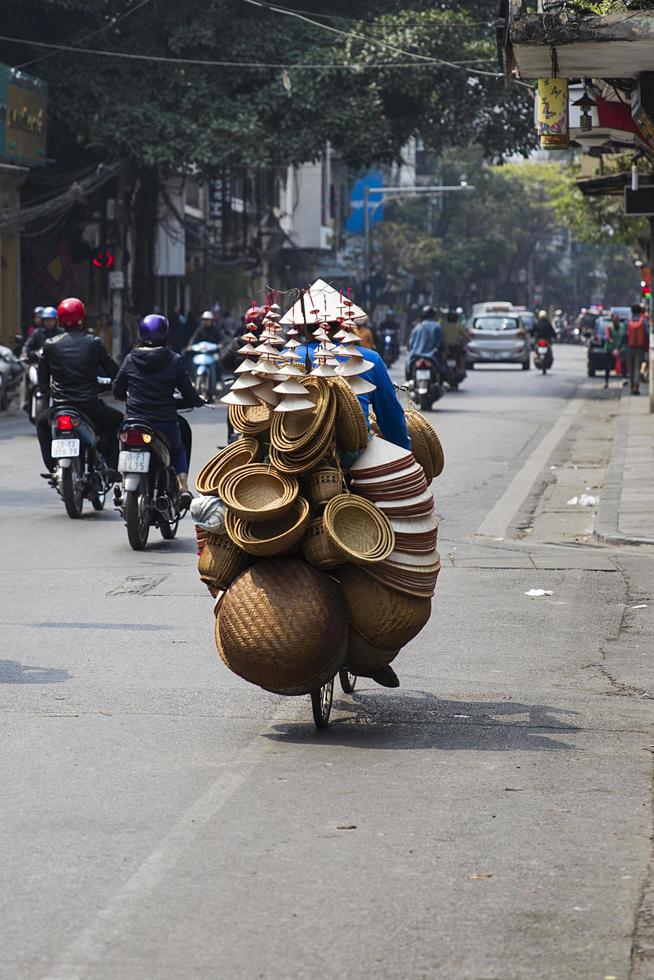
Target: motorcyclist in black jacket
column 543, row 329
column 148, row 379
column 49, row 328
column 69, row 368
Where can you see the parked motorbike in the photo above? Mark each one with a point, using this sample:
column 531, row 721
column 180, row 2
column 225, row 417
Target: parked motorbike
column 11, row 373
column 205, row 356
column 425, row 382
column 81, row 471
column 456, row 373
column 148, row 494
column 543, row 357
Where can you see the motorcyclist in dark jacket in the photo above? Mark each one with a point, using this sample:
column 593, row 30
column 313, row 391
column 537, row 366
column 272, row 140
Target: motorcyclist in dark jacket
column 49, row 328
column 148, row 379
column 543, row 329
column 69, row 369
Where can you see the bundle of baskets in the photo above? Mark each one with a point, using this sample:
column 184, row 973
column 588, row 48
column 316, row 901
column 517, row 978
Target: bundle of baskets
column 302, row 570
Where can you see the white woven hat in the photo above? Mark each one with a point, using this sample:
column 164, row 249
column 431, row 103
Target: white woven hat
column 328, row 301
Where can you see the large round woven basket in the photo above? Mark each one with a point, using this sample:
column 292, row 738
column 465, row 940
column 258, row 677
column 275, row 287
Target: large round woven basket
column 221, row 562
column 351, row 427
column 427, row 447
column 283, row 625
column 358, row 529
column 382, row 616
column 363, row 658
column 265, row 539
column 258, row 492
column 322, row 484
column 319, row 549
column 250, row 419
column 311, row 454
column 239, row 453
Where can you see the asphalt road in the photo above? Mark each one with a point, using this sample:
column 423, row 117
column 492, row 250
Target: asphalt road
column 161, row 819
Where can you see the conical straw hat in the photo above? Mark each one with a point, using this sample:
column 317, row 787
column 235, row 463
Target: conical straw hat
column 246, row 365
column 243, row 397
column 294, row 403
column 245, row 380
column 328, row 303
column 266, row 392
column 291, row 387
column 360, row 386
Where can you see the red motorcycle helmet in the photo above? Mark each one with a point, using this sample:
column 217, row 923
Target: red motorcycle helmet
column 254, row 316
column 71, row 313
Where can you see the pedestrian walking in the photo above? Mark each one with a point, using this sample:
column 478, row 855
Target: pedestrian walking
column 613, row 343
column 636, row 341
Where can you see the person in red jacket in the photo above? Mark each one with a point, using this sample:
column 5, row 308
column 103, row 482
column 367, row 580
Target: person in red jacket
column 636, row 345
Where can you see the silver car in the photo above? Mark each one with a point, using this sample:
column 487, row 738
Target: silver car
column 497, row 338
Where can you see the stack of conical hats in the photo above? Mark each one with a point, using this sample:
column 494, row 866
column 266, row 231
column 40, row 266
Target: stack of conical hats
column 390, row 477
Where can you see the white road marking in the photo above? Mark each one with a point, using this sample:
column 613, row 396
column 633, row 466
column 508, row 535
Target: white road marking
column 498, row 520
column 95, row 941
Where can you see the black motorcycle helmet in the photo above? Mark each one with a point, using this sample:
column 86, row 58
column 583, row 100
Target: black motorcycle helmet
column 428, row 313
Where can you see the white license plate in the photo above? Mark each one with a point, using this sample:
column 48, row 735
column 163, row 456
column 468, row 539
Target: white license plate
column 423, row 375
column 451, row 364
column 63, row 448
column 134, row 462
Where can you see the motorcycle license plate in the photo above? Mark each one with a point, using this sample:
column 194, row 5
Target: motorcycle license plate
column 64, row 448
column 133, row 462
column 423, row 374
column 451, row 364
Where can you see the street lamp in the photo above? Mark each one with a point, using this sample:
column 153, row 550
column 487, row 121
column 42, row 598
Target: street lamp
column 395, row 193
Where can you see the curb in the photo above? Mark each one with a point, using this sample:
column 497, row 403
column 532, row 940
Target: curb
column 608, row 512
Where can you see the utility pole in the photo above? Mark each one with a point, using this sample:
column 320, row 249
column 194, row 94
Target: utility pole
column 394, row 193
column 117, row 277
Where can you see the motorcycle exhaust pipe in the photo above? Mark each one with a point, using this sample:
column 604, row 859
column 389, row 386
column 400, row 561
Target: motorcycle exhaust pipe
column 162, row 504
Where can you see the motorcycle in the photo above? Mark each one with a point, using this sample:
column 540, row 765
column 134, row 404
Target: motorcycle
column 425, row 382
column 148, row 494
column 36, row 400
column 543, row 355
column 205, row 356
column 81, row 471
column 454, row 359
column 391, row 348
column 11, row 373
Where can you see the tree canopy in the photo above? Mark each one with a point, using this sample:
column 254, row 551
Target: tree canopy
column 365, row 77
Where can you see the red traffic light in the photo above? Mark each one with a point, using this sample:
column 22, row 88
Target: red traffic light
column 103, row 258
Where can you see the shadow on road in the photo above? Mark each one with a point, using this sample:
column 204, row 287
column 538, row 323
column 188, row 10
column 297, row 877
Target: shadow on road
column 12, row 672
column 419, row 720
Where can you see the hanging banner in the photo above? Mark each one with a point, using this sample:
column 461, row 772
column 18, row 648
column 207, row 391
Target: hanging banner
column 552, row 113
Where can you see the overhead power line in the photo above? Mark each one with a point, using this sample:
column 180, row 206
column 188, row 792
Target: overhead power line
column 209, row 63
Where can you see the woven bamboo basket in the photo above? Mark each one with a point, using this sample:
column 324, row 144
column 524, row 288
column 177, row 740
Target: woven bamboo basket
column 382, row 616
column 319, row 549
column 250, row 419
column 351, row 428
column 416, row 421
column 291, row 432
column 258, row 492
column 310, row 456
column 201, row 537
column 221, row 562
column 363, row 658
column 323, row 484
column 360, row 531
column 265, row 539
column 283, row 625
column 239, row 453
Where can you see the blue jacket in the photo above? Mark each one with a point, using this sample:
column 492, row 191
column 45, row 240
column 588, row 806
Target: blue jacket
column 426, row 338
column 384, row 401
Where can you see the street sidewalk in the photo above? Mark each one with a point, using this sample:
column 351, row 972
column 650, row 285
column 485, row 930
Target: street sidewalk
column 626, row 510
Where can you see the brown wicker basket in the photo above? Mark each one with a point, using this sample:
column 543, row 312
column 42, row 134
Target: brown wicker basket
column 283, row 625
column 360, row 531
column 221, row 562
column 363, row 658
column 258, row 492
column 382, row 616
column 351, row 428
column 250, row 419
column 291, row 432
column 311, row 454
column 323, row 484
column 265, row 539
column 239, row 453
column 319, row 549
column 201, row 537
column 429, row 439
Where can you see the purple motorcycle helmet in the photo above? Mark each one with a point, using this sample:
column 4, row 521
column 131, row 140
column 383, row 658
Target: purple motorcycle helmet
column 153, row 330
